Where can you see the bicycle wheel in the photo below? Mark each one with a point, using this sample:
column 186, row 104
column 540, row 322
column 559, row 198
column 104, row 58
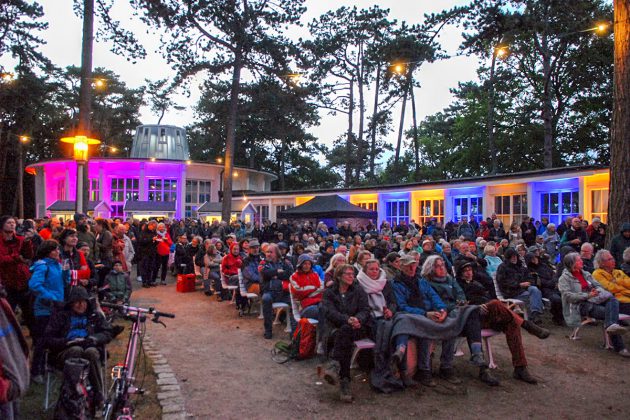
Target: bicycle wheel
column 111, row 402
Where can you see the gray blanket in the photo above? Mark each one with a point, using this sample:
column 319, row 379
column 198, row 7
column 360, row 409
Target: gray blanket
column 422, row 327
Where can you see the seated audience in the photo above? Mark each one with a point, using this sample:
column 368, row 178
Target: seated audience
column 306, row 287
column 615, row 281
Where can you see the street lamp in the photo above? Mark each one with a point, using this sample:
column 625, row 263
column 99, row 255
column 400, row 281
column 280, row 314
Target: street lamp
column 80, row 147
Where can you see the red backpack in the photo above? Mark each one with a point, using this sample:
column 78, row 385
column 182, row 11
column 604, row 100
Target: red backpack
column 304, row 340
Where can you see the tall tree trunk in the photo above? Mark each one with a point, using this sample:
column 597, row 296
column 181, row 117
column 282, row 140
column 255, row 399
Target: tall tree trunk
column 252, row 153
column 85, row 98
column 374, row 122
column 3, row 161
column 349, row 141
column 20, row 180
column 361, row 86
column 401, row 127
column 226, row 207
column 547, row 113
column 416, row 141
column 283, row 149
column 491, row 143
column 619, row 203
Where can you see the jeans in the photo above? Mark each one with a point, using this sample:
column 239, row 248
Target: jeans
column 446, row 358
column 311, row 312
column 268, row 299
column 212, row 279
column 533, row 297
column 161, row 261
column 39, row 327
column 609, row 312
column 147, row 269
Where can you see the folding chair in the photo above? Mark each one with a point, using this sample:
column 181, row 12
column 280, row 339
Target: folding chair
column 251, row 297
column 363, row 344
column 278, row 308
column 512, row 302
column 226, row 286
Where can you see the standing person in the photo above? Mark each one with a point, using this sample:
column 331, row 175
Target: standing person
column 48, row 283
column 15, row 254
column 346, row 310
column 147, row 250
column 128, row 252
column 77, row 263
column 104, row 250
column 528, row 230
column 620, row 243
column 574, row 236
column 84, row 234
column 13, row 361
column 183, row 262
column 164, row 243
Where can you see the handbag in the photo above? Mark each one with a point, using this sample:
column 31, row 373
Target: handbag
column 602, row 297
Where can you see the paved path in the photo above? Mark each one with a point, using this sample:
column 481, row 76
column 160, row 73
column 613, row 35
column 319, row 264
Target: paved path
column 225, row 371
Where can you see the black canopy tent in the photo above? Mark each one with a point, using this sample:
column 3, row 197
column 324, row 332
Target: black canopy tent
column 328, row 207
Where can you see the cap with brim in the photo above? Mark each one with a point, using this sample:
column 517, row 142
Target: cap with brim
column 254, row 242
column 407, row 260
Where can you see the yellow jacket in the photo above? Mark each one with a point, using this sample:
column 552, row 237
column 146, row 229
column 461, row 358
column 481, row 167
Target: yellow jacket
column 617, row 283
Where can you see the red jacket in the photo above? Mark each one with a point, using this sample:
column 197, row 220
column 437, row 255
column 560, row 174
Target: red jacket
column 231, row 264
column 306, row 288
column 164, row 246
column 13, row 272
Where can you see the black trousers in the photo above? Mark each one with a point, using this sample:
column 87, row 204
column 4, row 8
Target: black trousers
column 161, row 262
column 148, row 269
column 343, row 346
column 22, row 298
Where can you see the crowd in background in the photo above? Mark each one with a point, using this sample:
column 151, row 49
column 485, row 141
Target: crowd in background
column 430, row 283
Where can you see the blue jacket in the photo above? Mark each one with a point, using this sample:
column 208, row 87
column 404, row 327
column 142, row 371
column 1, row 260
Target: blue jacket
column 48, row 282
column 432, row 301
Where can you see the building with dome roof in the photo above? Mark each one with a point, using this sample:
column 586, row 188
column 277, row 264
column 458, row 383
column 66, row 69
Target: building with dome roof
column 157, row 180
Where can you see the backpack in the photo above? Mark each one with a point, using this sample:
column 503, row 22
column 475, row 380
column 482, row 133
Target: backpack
column 73, row 395
column 301, row 347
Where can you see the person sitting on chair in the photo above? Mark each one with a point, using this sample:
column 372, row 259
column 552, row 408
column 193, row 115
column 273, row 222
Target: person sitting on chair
column 306, row 287
column 79, row 331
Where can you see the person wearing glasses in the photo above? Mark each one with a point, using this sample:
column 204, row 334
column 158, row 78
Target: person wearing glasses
column 346, row 311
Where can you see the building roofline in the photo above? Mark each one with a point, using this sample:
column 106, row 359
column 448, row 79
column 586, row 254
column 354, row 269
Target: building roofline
column 437, row 183
column 120, row 158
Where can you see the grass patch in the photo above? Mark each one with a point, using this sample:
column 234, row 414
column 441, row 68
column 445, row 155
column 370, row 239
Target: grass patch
column 145, row 406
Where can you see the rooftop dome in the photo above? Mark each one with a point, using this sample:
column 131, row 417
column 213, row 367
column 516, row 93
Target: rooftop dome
column 160, row 142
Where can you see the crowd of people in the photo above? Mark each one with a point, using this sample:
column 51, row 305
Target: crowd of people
column 413, row 285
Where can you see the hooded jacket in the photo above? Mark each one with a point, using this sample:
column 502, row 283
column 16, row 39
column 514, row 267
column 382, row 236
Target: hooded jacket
column 13, row 271
column 510, row 276
column 619, row 244
column 48, row 282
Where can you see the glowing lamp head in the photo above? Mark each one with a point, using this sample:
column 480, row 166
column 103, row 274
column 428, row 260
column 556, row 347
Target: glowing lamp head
column 235, row 174
column 24, row 139
column 80, row 146
column 188, row 162
column 6, row 77
column 500, row 52
column 113, row 149
column 601, row 27
column 398, row 68
column 99, row 83
column 152, row 159
column 219, row 160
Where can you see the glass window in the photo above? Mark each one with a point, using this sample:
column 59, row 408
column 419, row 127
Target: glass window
column 397, row 211
column 510, row 208
column 61, row 189
column 262, row 213
column 556, row 206
column 469, row 206
column 430, row 209
column 599, row 204
column 93, row 188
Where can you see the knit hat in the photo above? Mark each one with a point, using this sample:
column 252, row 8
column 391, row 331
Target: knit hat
column 303, row 258
column 76, row 294
column 509, row 253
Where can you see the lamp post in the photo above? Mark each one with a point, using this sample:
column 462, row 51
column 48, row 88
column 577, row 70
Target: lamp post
column 20, row 176
column 80, row 146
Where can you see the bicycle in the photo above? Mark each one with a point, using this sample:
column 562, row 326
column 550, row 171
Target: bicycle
column 117, row 401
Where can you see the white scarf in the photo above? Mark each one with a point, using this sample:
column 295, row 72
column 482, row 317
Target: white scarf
column 374, row 290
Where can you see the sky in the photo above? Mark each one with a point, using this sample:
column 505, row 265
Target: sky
column 63, row 47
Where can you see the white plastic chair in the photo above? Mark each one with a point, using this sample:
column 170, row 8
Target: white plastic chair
column 278, row 307
column 363, row 344
column 486, row 334
column 516, row 302
column 296, row 309
column 244, row 293
column 226, row 286
column 576, row 331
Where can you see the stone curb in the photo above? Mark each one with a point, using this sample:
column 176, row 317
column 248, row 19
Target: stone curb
column 169, row 394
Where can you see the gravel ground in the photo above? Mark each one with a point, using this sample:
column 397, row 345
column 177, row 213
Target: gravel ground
column 224, row 367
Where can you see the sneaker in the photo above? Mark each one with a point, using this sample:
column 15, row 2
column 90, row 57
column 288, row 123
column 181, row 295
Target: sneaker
column 331, row 373
column 478, row 360
column 448, row 374
column 624, row 353
column 522, row 374
column 38, row 379
column 487, row 378
column 616, row 329
column 163, row 283
column 139, row 279
column 344, row 390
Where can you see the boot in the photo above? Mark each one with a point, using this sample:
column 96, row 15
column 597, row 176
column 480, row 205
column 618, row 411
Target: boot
column 536, row 318
column 344, row 390
column 534, row 329
column 331, row 373
column 396, row 360
column 478, row 360
column 487, row 378
column 448, row 374
column 521, row 373
column 426, row 378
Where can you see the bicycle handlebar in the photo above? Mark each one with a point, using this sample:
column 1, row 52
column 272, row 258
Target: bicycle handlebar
column 127, row 308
